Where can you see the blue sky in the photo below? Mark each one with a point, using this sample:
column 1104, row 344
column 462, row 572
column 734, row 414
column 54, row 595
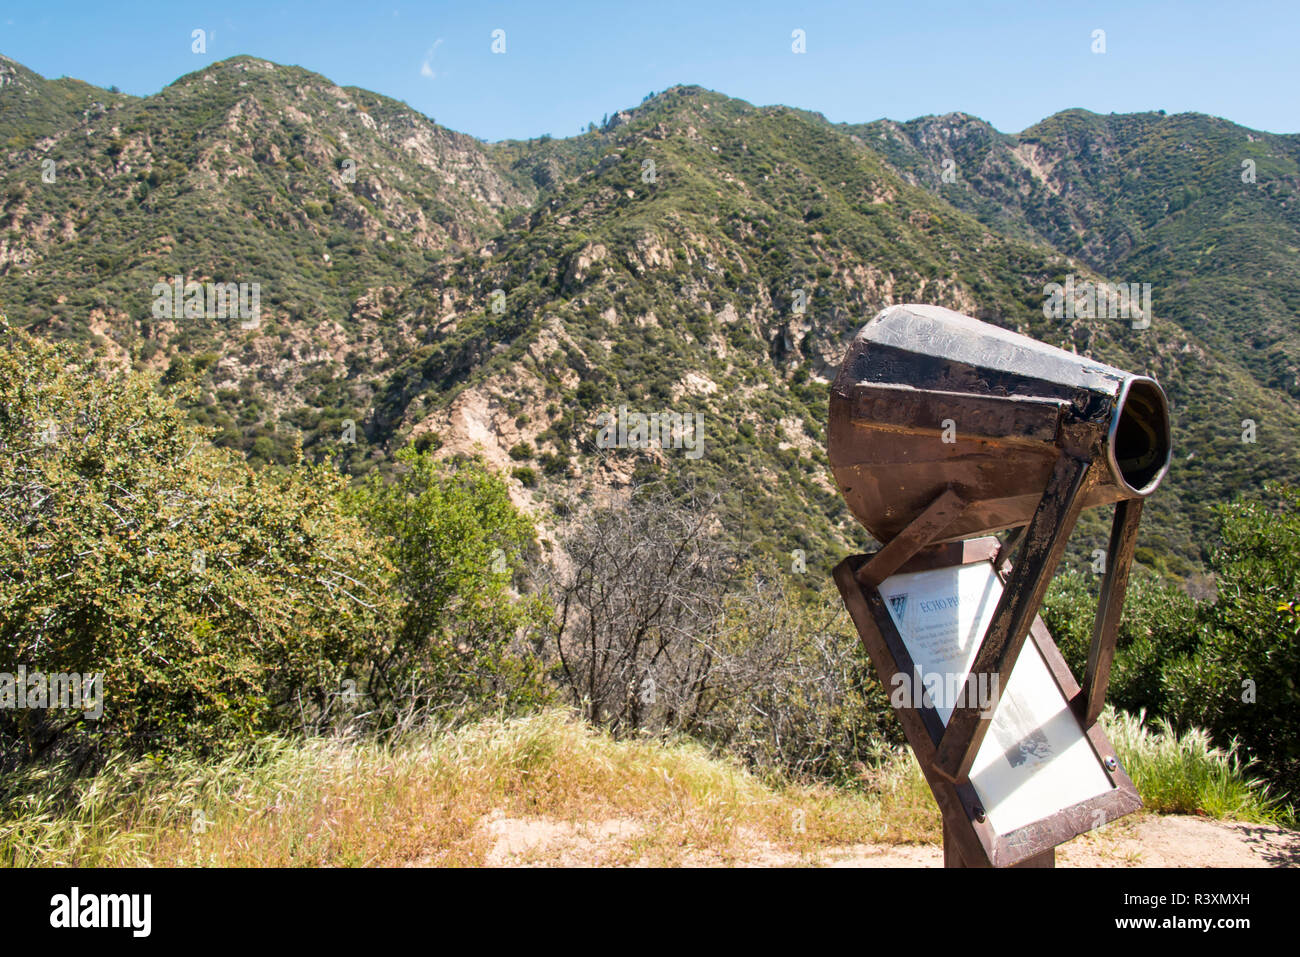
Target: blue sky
column 1011, row 63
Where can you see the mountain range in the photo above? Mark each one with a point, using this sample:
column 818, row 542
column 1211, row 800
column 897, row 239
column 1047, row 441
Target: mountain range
column 694, row 254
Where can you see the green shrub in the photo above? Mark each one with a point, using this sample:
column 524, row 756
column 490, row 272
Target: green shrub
column 553, row 464
column 1242, row 680
column 216, row 600
column 1186, row 774
column 1157, row 628
column 1231, row 665
column 819, row 710
column 455, row 541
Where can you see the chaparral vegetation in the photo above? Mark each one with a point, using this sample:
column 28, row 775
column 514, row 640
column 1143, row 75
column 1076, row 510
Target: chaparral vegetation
column 388, row 530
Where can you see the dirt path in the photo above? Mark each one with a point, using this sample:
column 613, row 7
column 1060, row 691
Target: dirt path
column 1145, row 840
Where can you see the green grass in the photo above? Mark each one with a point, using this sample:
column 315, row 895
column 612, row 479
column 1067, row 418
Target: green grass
column 1186, row 774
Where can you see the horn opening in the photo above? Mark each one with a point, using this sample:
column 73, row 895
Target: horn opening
column 1140, row 444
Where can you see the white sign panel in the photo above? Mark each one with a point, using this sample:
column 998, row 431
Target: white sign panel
column 1035, row 759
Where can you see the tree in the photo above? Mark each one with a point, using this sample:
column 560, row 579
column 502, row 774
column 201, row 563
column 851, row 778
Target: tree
column 215, row 600
column 661, row 626
column 1243, row 678
column 638, row 592
column 456, row 542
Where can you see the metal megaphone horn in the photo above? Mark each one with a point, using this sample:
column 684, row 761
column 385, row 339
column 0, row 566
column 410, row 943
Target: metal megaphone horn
column 929, row 400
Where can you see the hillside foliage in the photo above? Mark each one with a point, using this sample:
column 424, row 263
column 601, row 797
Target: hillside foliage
column 382, row 500
column 218, row 600
column 1230, row 664
column 695, row 253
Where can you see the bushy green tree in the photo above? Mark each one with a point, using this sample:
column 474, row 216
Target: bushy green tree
column 1157, row 628
column 1230, row 665
column 1243, row 678
column 456, row 543
column 216, row 600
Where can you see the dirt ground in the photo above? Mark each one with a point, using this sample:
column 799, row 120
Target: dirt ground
column 1145, row 840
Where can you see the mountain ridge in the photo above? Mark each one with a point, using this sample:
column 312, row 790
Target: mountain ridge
column 696, row 250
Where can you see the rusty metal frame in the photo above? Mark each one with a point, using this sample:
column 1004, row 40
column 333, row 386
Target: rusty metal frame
column 1044, row 545
column 1110, row 605
column 1042, row 437
column 969, row 838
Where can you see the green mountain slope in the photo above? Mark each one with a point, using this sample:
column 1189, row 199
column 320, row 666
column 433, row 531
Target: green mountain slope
column 1206, row 211
column 240, row 173
column 696, row 255
column 623, row 291
column 32, row 107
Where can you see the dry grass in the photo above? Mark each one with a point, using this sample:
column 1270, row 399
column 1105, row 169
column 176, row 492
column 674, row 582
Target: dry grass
column 543, row 789
column 447, row 798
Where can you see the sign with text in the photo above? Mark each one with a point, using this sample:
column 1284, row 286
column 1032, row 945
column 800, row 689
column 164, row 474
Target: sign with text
column 1036, row 759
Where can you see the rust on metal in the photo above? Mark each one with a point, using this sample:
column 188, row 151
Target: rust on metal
column 943, row 428
column 1123, row 542
column 925, row 528
column 928, row 399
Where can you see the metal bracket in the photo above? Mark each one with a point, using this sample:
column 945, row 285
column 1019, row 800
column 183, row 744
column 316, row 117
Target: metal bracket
column 1045, row 541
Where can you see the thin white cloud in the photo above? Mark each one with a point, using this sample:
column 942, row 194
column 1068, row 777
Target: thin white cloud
column 426, row 66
